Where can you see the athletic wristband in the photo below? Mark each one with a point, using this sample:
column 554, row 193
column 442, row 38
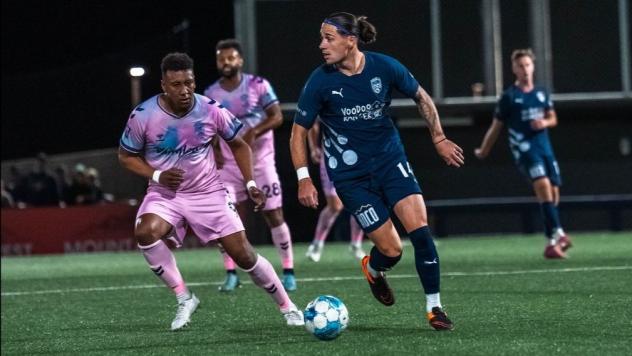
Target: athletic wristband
column 156, row 176
column 251, row 184
column 445, row 138
column 302, row 173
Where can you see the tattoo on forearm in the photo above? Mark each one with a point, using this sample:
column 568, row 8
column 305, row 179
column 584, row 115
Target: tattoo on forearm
column 429, row 113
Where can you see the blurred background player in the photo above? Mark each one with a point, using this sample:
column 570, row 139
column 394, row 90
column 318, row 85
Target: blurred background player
column 527, row 111
column 330, row 212
column 351, row 93
column 253, row 101
column 167, row 140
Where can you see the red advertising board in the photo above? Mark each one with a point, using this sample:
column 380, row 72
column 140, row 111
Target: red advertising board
column 51, row 230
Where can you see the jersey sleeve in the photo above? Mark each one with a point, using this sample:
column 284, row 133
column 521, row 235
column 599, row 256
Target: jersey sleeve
column 403, row 80
column 226, row 123
column 133, row 138
column 503, row 107
column 309, row 103
column 266, row 93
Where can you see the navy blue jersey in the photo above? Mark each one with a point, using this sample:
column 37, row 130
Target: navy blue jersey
column 516, row 109
column 357, row 129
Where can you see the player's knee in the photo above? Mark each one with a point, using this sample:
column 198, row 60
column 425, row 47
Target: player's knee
column 392, row 250
column 274, row 217
column 146, row 235
column 245, row 259
column 336, row 206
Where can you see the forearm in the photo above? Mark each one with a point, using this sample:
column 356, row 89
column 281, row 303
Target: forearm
column 243, row 157
column 428, row 111
column 488, row 141
column 135, row 164
column 298, row 148
column 550, row 118
column 274, row 119
column 491, row 136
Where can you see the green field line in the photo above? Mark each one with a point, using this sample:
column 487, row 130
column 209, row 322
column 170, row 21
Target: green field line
column 324, row 279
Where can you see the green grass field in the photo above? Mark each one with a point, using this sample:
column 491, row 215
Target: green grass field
column 502, row 295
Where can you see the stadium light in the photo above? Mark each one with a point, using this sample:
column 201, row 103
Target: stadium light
column 135, row 74
column 137, row 71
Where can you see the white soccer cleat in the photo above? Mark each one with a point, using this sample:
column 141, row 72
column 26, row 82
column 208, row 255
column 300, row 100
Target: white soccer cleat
column 314, row 251
column 357, row 251
column 185, row 310
column 293, row 316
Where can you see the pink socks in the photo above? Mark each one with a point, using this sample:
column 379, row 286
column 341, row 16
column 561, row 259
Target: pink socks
column 163, row 264
column 263, row 275
column 326, row 220
column 356, row 232
column 283, row 242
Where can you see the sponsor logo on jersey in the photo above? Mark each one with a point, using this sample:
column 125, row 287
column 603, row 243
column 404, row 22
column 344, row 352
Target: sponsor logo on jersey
column 366, row 215
column 365, row 112
column 337, row 92
column 532, row 114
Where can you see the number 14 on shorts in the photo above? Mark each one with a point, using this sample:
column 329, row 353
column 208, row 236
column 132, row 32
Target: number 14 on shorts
column 406, row 172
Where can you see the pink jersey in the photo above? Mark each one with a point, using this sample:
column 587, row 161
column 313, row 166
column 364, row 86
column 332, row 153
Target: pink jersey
column 248, row 102
column 167, row 141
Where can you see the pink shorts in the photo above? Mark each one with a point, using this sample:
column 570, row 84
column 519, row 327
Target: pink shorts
column 328, row 186
column 266, row 178
column 210, row 215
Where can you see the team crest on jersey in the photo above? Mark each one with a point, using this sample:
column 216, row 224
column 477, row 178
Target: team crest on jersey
column 540, row 96
column 376, row 85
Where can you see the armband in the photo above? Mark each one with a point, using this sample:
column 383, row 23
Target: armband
column 156, row 176
column 302, row 173
column 251, row 184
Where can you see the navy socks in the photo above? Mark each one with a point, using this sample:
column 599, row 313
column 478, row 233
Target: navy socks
column 426, row 259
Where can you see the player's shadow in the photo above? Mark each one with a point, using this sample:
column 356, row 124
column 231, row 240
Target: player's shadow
column 385, row 331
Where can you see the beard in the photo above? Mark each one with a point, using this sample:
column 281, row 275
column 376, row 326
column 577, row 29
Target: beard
column 228, row 74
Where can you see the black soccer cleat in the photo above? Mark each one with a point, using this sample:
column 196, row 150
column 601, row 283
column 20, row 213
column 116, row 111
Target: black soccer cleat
column 438, row 319
column 379, row 286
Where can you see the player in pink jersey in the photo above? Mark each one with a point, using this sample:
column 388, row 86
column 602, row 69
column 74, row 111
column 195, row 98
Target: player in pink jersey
column 168, row 140
column 328, row 215
column 254, row 102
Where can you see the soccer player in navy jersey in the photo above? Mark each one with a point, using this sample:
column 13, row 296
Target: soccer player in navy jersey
column 527, row 111
column 351, row 93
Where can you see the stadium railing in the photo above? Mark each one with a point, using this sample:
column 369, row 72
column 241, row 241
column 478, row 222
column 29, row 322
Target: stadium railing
column 441, row 211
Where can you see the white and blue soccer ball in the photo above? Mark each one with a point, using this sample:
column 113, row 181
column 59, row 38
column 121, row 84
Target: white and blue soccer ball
column 326, row 317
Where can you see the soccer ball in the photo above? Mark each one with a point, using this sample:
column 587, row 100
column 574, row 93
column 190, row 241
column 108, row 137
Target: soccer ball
column 326, row 317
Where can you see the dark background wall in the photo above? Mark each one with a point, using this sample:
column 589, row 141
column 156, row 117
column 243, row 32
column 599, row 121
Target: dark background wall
column 65, row 84
column 65, row 65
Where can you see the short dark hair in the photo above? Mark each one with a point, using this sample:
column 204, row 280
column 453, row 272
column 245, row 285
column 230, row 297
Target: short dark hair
column 522, row 52
column 229, row 43
column 176, row 61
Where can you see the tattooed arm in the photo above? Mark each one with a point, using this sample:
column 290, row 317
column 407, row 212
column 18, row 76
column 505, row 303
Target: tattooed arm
column 450, row 152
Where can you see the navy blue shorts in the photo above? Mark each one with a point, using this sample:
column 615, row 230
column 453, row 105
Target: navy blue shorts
column 370, row 198
column 535, row 166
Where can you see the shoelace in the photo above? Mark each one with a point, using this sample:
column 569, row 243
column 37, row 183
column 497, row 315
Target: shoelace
column 182, row 307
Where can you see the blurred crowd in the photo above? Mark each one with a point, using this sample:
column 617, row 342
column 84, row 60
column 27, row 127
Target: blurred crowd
column 57, row 187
